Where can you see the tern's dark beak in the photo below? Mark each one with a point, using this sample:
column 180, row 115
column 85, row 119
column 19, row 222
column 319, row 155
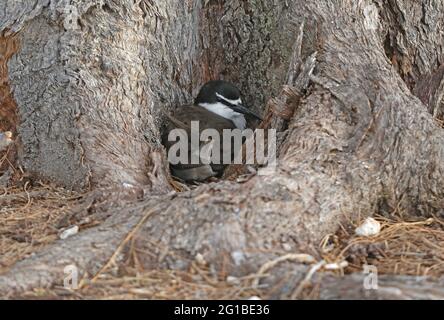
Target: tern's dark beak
column 246, row 111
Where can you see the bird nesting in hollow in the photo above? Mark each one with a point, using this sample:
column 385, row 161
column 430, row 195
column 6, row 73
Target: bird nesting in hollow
column 219, row 107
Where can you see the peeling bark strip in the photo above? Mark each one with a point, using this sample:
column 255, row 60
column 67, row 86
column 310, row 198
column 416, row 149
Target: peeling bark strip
column 359, row 141
column 8, row 117
column 8, row 106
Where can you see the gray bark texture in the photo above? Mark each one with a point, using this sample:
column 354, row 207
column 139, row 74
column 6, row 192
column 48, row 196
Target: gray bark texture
column 354, row 87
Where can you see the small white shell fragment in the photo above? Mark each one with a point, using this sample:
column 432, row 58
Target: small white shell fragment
column 238, row 257
column 5, row 139
column 336, row 266
column 286, row 246
column 233, row 280
column 369, row 228
column 200, row 259
column 254, row 298
column 69, row 232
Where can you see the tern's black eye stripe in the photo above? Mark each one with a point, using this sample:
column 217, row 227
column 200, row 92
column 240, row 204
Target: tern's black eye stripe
column 238, row 108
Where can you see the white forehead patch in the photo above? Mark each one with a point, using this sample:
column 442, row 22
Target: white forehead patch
column 235, row 102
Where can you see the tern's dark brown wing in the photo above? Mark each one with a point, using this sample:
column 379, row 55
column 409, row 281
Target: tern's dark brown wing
column 182, row 118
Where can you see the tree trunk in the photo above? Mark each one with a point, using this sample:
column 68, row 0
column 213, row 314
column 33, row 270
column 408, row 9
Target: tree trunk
column 90, row 81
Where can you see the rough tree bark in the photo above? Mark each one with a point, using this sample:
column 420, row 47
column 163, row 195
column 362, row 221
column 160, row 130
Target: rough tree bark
column 364, row 137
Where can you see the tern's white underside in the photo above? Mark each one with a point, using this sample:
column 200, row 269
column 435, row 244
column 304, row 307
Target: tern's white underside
column 224, row 111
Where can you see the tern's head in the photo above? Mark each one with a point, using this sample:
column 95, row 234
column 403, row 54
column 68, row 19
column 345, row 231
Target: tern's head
column 224, row 99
